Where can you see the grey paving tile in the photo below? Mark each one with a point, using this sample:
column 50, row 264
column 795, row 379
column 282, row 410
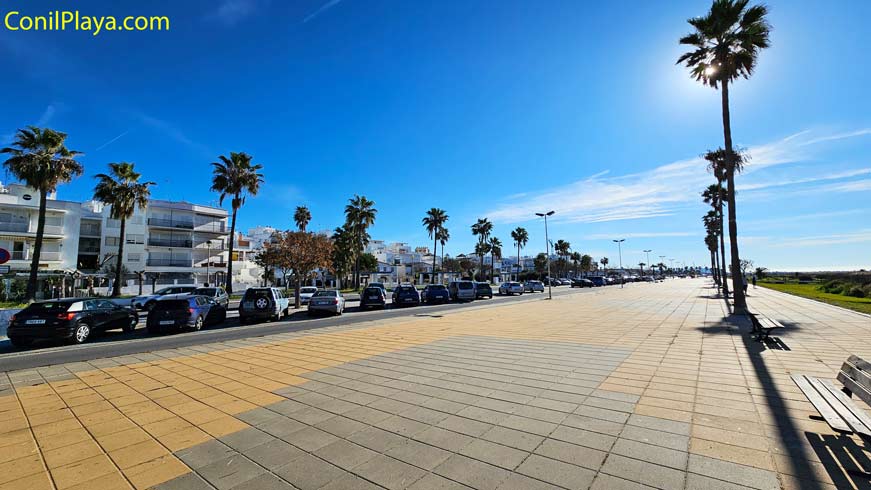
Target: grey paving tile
column 349, row 481
column 345, row 454
column 443, row 438
column 367, row 415
column 471, row 472
column 556, row 472
column 310, row 439
column 226, row 473
column 389, row 472
column 463, row 425
column 376, row 439
column 732, row 472
column 643, row 472
column 341, row 426
column 513, row 438
column 651, row 454
column 595, row 440
column 699, row 482
column 602, row 413
column 246, row 439
column 483, row 415
column 425, row 415
column 435, row 482
column 273, row 454
column 418, row 454
column 571, row 453
column 257, row 416
column 311, row 415
column 655, row 423
column 401, row 425
column 593, row 424
column 267, row 481
column 608, row 482
column 656, row 437
column 204, row 454
column 281, row 426
column 494, row 454
column 516, row 481
column 308, row 472
column 189, row 481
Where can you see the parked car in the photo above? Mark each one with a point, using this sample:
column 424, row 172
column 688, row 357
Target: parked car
column 533, row 286
column 598, row 281
column 306, row 293
column 462, row 290
column 510, row 287
column 373, row 297
column 405, row 295
column 582, row 282
column 70, row 319
column 193, row 312
column 565, row 282
column 145, row 302
column 328, row 301
column 377, row 285
column 436, row 293
column 263, row 303
column 216, row 293
column 483, row 290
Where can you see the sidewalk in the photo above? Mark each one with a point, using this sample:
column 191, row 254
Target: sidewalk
column 647, row 386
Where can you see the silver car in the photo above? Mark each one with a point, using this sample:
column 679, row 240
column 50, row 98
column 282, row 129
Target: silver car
column 216, row 293
column 327, row 302
column 533, row 286
column 306, row 293
column 510, row 288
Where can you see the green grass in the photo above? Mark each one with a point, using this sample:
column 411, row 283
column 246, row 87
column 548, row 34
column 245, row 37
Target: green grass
column 8, row 305
column 810, row 291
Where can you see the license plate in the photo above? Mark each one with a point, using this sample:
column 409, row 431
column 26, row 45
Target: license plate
column 167, row 322
column 34, row 322
column 408, row 300
column 374, row 296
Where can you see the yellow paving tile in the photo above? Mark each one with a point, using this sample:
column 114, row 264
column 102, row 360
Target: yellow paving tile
column 155, row 472
column 70, row 454
column 110, row 481
column 21, row 467
column 138, row 453
column 124, row 438
column 82, row 471
column 184, row 438
column 37, row 481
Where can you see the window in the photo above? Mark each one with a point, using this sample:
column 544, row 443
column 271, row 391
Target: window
column 113, row 223
column 134, row 257
column 113, row 241
column 135, row 239
column 137, row 220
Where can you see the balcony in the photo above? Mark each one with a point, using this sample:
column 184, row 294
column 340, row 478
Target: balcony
column 43, row 257
column 15, row 227
column 89, row 249
column 161, row 242
column 89, row 230
column 212, row 228
column 169, row 262
column 171, row 223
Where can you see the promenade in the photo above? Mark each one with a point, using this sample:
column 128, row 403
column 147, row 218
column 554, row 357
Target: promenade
column 650, row 386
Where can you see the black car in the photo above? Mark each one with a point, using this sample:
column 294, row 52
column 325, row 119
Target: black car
column 436, row 293
column 192, row 312
column 373, row 297
column 483, row 290
column 582, row 283
column 406, row 295
column 70, row 319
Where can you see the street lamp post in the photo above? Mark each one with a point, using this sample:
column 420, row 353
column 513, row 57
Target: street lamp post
column 648, row 260
column 547, row 243
column 662, row 261
column 208, row 259
column 620, row 255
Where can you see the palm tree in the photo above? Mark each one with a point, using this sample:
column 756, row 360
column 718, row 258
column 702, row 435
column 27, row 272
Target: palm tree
column 495, row 251
column 235, row 177
column 641, row 266
column 434, row 222
column 40, row 159
column 482, row 229
column 302, row 216
column 561, row 247
column 359, row 216
column 604, row 262
column 711, row 242
column 343, row 252
column 481, row 249
column 713, row 225
column 443, row 236
column 726, row 43
column 714, row 195
column 123, row 192
column 576, row 260
column 521, row 238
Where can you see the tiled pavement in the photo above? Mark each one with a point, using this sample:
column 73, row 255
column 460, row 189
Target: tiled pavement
column 645, row 387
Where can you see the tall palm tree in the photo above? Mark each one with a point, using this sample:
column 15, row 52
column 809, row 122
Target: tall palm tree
column 482, row 229
column 443, row 236
column 302, row 216
column 495, row 251
column 726, row 43
column 715, row 196
column 481, row 249
column 434, row 222
column 576, row 260
column 604, row 262
column 235, row 177
column 359, row 216
column 40, row 159
column 123, row 192
column 713, row 226
column 521, row 238
column 561, row 247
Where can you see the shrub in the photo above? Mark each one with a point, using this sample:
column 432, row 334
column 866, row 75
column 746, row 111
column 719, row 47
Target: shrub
column 856, row 292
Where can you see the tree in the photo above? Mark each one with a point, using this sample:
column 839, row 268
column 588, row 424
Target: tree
column 482, row 229
column 711, row 242
column 586, row 263
column 715, row 195
column 562, row 247
column 343, row 252
column 122, row 191
column 576, row 261
column 761, row 272
column 302, row 253
column 495, row 252
column 40, row 159
column 521, row 238
column 443, row 236
column 604, row 262
column 726, row 43
column 359, row 216
column 302, row 216
column 481, row 249
column 540, row 264
column 235, row 177
column 268, row 258
column 368, row 263
column 641, row 267
column 434, row 222
column 713, row 225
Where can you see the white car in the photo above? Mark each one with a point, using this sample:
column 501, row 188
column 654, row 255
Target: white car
column 146, row 301
column 306, row 293
column 533, row 286
column 330, row 301
column 510, row 288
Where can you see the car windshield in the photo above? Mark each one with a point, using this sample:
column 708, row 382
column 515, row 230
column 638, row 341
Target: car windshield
column 404, row 289
column 325, row 294
column 376, row 285
column 256, row 293
column 206, row 291
column 308, row 290
column 48, row 307
column 465, row 285
column 164, row 291
column 370, row 289
column 173, row 304
column 437, row 287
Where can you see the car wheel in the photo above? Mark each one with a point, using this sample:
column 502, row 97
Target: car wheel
column 81, row 333
column 131, row 324
column 18, row 342
column 198, row 324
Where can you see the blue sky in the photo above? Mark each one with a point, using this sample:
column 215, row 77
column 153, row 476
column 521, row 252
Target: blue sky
column 491, row 109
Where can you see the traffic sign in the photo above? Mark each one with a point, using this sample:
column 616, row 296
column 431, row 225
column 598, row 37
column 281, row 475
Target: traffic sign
column 4, row 255
column 4, row 269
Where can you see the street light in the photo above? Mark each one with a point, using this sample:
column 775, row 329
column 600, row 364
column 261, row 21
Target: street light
column 208, row 259
column 547, row 243
column 648, row 260
column 620, row 254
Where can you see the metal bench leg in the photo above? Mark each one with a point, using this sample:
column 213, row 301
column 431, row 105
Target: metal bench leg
column 860, row 473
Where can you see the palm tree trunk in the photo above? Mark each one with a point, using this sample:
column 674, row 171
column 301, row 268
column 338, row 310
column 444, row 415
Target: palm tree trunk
column 119, row 262
column 37, row 248
column 296, row 293
column 435, row 248
column 724, row 284
column 228, row 283
column 713, row 266
column 739, row 301
column 518, row 263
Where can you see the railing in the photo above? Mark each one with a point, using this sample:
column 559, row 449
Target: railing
column 211, row 227
column 91, row 250
column 169, row 262
column 43, row 256
column 171, row 223
column 89, row 230
column 53, row 230
column 15, row 227
column 157, row 242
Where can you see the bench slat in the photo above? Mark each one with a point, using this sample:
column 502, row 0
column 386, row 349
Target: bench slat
column 816, row 398
column 855, row 388
column 854, row 416
column 859, row 371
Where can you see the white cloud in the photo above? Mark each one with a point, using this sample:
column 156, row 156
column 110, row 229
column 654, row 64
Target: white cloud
column 323, row 8
column 661, row 191
column 47, row 115
column 821, row 178
column 653, row 234
column 839, row 136
column 230, row 12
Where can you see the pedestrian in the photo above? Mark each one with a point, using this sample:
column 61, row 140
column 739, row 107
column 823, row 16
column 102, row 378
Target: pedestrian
column 744, row 283
column 753, row 280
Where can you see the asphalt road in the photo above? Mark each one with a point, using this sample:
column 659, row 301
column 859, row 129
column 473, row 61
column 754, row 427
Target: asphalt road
column 117, row 343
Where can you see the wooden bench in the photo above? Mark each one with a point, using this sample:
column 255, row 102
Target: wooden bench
column 762, row 326
column 835, row 405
